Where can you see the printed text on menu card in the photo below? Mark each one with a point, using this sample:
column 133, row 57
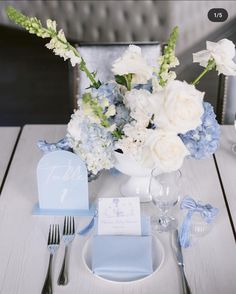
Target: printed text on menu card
column 119, row 216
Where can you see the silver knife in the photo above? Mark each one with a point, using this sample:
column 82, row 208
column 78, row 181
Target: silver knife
column 180, row 261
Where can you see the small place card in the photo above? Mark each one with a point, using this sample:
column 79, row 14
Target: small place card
column 62, row 181
column 119, row 216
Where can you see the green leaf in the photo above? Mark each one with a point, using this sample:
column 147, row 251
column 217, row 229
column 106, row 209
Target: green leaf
column 121, row 80
column 86, row 97
column 117, row 134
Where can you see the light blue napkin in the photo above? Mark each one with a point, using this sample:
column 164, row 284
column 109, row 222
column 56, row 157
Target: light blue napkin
column 122, row 258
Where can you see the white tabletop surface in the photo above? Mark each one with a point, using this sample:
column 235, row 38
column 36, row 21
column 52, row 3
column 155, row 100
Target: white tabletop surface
column 8, row 137
column 226, row 161
column 210, row 263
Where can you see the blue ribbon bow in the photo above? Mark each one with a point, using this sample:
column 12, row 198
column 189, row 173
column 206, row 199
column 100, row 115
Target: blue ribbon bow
column 89, row 226
column 63, row 144
column 206, row 211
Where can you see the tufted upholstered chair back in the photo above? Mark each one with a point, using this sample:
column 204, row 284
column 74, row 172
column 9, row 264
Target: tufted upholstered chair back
column 99, row 57
column 125, row 20
column 98, row 21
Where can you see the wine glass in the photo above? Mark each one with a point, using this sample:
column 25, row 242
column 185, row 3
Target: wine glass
column 165, row 192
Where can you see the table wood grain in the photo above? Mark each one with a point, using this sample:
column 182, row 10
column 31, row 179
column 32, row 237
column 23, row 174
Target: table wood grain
column 226, row 161
column 8, row 137
column 210, row 263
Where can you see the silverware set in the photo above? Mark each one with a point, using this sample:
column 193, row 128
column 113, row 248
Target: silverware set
column 53, row 245
column 69, row 235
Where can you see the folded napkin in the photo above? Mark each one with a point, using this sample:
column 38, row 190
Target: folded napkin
column 122, row 258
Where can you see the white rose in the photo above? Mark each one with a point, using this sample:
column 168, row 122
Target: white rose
column 178, row 107
column 222, row 52
column 138, row 101
column 133, row 62
column 164, row 150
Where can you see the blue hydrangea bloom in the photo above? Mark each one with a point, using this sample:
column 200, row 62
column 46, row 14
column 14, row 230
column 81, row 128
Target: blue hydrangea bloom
column 109, row 90
column 204, row 140
column 122, row 116
column 147, row 86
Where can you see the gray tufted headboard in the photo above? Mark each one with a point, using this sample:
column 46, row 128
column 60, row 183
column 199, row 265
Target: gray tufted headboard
column 126, row 21
column 99, row 21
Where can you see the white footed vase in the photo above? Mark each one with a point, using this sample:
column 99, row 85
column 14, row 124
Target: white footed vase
column 138, row 182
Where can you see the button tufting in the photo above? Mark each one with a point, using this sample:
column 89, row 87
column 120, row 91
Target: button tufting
column 110, row 21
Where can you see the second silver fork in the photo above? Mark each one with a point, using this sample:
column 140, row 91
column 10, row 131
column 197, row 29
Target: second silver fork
column 68, row 237
column 53, row 245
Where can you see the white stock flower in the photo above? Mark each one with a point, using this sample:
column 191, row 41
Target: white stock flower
column 164, row 150
column 174, row 61
column 222, row 52
column 111, row 111
column 60, row 47
column 73, row 127
column 61, row 36
column 88, row 112
column 52, row 25
column 178, row 107
column 168, row 76
column 73, row 58
column 138, row 101
column 133, row 62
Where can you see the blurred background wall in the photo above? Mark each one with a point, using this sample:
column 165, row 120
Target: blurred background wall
column 36, row 86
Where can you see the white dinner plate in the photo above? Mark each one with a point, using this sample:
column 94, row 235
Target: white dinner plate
column 157, row 258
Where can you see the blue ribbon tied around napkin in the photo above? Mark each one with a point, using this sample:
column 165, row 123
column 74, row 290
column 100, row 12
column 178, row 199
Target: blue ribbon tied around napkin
column 207, row 212
column 46, row 147
column 89, row 226
column 145, row 225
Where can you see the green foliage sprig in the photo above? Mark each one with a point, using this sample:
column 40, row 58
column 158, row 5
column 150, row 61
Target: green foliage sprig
column 210, row 66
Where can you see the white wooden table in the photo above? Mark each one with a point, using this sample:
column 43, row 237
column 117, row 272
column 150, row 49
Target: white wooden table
column 226, row 161
column 8, row 137
column 210, row 264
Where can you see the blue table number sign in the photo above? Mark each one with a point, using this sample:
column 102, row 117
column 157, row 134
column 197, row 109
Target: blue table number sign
column 62, row 182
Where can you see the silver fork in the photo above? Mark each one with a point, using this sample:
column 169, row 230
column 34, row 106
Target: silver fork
column 68, row 237
column 53, row 244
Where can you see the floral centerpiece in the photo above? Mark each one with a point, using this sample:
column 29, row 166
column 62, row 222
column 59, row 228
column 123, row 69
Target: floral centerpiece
column 144, row 117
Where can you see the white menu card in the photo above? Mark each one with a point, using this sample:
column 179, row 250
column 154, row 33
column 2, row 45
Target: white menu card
column 119, row 216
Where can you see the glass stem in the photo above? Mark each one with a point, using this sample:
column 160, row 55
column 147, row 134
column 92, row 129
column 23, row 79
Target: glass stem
column 164, row 219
